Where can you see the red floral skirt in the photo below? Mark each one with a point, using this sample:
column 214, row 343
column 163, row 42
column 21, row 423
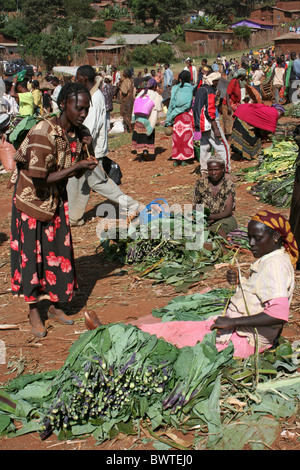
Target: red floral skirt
column 42, row 257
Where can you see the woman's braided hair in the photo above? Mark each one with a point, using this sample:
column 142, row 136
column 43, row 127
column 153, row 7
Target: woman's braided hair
column 71, row 89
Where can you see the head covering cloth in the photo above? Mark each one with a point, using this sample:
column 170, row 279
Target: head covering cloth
column 212, row 77
column 281, row 225
column 279, row 107
column 240, row 73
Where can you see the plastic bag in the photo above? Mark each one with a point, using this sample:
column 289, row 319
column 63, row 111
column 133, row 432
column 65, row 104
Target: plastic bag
column 143, row 105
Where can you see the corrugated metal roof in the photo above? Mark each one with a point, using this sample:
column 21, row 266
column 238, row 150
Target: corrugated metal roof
column 105, row 48
column 131, row 39
column 288, row 36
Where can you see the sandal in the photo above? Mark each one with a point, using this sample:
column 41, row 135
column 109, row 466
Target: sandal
column 91, row 320
column 61, row 317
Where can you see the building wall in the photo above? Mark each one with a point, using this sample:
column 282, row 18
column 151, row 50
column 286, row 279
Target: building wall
column 271, row 15
column 288, row 5
column 287, row 45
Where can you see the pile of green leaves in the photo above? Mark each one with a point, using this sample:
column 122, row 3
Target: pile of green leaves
column 278, row 159
column 176, row 249
column 276, row 192
column 118, row 378
column 194, row 307
column 113, row 377
column 274, row 174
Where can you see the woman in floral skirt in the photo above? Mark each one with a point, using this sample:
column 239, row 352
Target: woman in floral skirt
column 42, row 259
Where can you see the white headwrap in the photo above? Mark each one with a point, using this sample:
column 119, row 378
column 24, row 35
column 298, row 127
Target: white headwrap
column 212, row 77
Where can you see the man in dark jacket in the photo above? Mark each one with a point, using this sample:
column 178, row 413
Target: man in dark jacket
column 206, row 119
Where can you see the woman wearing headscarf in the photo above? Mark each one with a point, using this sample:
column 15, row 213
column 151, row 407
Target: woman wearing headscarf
column 253, row 122
column 260, row 306
column 206, row 119
column 127, row 98
column 146, row 107
column 232, row 100
column 180, row 116
column 217, row 194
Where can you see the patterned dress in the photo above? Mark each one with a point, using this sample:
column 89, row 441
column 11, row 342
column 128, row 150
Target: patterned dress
column 42, row 258
column 216, row 203
column 183, row 132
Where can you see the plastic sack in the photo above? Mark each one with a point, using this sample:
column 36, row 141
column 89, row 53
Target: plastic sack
column 146, row 215
column 117, row 128
column 143, row 105
column 7, row 152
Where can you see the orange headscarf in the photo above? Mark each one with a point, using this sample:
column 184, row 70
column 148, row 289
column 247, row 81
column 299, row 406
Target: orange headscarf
column 280, row 224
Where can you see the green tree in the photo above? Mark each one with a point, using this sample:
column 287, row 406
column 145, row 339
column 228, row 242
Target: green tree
column 56, row 48
column 36, row 17
column 224, row 10
column 16, row 28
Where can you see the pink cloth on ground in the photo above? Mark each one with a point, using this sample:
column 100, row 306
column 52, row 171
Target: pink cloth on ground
column 188, row 333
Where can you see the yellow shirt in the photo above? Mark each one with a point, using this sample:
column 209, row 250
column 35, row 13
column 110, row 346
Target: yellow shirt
column 37, row 97
column 26, row 104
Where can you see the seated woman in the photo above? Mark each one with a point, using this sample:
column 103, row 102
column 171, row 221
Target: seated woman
column 217, row 194
column 260, row 305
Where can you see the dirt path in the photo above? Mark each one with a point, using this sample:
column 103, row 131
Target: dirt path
column 111, row 291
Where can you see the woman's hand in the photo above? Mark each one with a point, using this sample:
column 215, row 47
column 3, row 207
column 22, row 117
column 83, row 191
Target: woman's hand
column 232, row 276
column 223, row 323
column 87, row 164
column 87, row 140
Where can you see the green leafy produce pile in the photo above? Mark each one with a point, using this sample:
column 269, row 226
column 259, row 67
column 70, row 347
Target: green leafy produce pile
column 278, row 159
column 113, row 376
column 292, row 110
column 274, row 174
column 118, row 378
column 277, row 192
column 194, row 307
column 161, row 250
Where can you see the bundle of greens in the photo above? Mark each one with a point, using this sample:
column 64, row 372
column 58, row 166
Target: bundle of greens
column 177, row 249
column 276, row 192
column 278, row 159
column 239, row 237
column 114, row 376
column 194, row 307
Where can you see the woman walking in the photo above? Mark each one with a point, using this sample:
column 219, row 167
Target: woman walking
column 180, row 116
column 127, row 99
column 147, row 105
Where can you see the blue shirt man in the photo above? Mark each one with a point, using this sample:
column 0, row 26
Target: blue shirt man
column 168, row 76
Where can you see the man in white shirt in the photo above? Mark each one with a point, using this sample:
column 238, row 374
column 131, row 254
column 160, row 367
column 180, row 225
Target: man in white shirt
column 96, row 180
column 54, row 96
column 193, row 71
column 12, row 105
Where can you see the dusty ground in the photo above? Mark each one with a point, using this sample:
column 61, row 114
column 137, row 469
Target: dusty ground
column 114, row 294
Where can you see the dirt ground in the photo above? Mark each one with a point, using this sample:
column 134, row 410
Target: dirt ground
column 112, row 290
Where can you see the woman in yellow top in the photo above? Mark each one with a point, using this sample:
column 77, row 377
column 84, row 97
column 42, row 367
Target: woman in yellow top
column 37, row 97
column 24, row 98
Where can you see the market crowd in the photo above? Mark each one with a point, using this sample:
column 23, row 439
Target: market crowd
column 211, row 113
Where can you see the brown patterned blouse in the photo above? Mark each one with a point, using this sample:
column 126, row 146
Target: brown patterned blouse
column 45, row 149
column 217, row 203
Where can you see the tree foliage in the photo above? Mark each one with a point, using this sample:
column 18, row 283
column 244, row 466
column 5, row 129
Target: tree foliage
column 152, row 53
